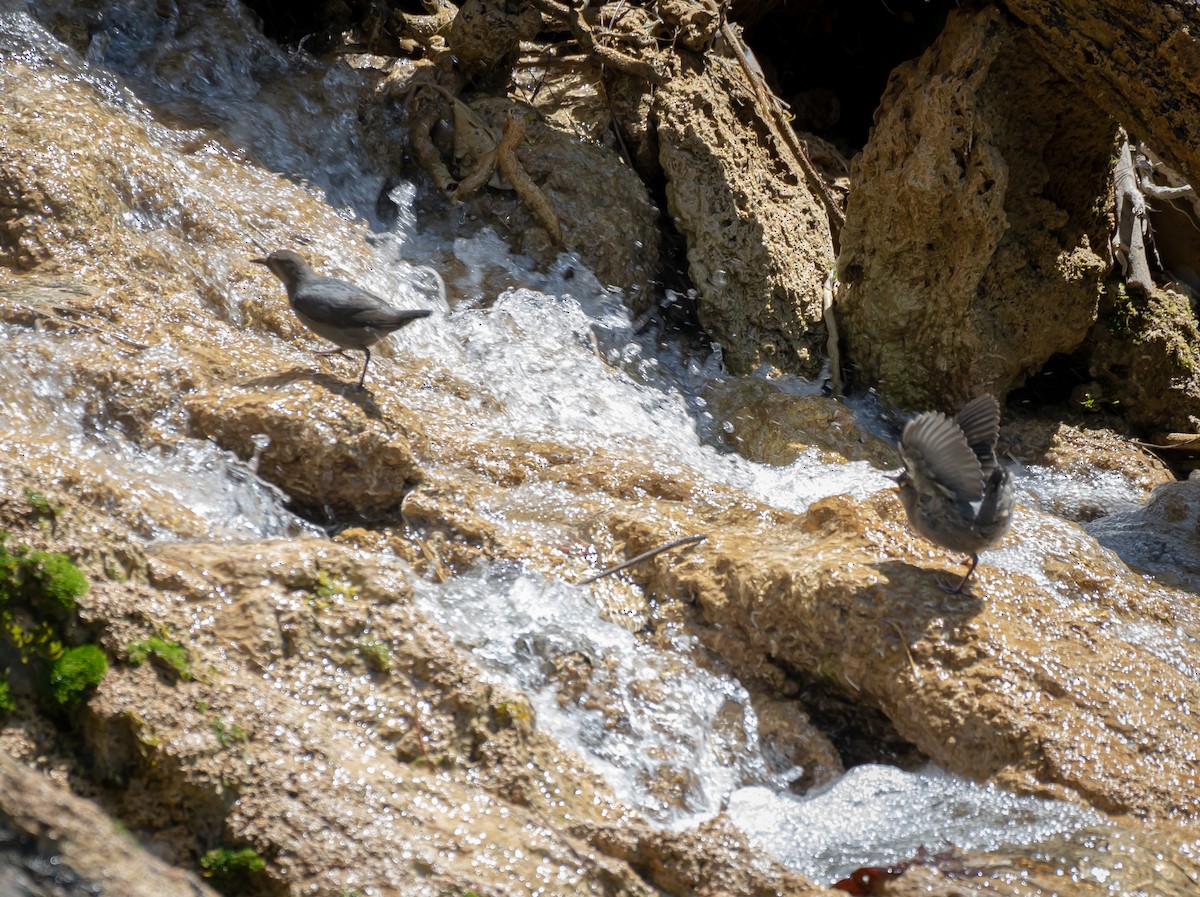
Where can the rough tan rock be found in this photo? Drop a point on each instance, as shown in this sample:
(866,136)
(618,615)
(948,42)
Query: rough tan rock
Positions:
(758,241)
(975,240)
(1138,62)
(952,871)
(333,728)
(1082,451)
(771,426)
(68,836)
(673,863)
(1016,684)
(322,442)
(483,35)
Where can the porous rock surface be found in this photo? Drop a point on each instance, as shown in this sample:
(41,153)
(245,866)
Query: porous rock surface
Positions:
(758,242)
(328,446)
(975,239)
(326,722)
(56,844)
(1136,61)
(1018,683)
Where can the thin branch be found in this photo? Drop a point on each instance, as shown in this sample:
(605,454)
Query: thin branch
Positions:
(775,118)
(59,311)
(645,555)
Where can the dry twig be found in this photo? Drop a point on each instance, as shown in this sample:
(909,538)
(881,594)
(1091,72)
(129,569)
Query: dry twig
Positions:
(55,314)
(773,116)
(645,555)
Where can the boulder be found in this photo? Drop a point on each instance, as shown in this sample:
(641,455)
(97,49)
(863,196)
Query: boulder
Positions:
(975,240)
(758,240)
(323,443)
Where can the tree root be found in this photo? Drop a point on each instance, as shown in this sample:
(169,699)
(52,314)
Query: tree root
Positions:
(582,32)
(530,193)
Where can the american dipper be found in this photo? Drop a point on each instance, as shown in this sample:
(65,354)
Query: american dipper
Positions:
(339,311)
(955,491)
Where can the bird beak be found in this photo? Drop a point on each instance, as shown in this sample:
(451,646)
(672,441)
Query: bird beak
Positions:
(259,261)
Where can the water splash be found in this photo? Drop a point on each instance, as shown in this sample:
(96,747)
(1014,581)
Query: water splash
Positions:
(670,737)
(188,489)
(566,360)
(875,815)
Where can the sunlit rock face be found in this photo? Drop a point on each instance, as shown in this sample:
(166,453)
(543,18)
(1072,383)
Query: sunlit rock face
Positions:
(759,247)
(974,246)
(1052,679)
(323,448)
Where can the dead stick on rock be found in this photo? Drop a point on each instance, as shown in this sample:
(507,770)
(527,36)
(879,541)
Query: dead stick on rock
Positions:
(904,644)
(645,555)
(771,115)
(57,316)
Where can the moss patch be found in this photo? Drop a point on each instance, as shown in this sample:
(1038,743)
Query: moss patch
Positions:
(168,656)
(38,593)
(231,869)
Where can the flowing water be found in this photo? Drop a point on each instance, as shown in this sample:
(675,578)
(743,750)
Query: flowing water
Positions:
(569,364)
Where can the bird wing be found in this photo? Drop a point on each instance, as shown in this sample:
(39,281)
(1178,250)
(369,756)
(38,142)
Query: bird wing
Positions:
(337,303)
(980,423)
(937,456)
(387,317)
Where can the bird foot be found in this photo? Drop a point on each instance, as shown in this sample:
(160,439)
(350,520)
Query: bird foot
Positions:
(957,588)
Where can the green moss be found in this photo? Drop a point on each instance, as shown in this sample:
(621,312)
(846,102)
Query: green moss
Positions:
(77,670)
(327,589)
(169,656)
(228,734)
(38,594)
(40,506)
(7,705)
(376,653)
(231,869)
(60,580)
(39,576)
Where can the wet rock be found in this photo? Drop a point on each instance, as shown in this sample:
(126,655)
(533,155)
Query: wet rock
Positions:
(951,872)
(772,426)
(705,862)
(758,239)
(1161,536)
(1082,451)
(54,843)
(1027,684)
(321,442)
(791,740)
(1143,352)
(974,245)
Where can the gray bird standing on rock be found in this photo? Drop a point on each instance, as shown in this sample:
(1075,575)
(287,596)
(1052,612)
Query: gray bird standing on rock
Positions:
(956,492)
(339,311)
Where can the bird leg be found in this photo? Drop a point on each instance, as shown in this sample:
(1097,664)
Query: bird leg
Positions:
(957,590)
(366,361)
